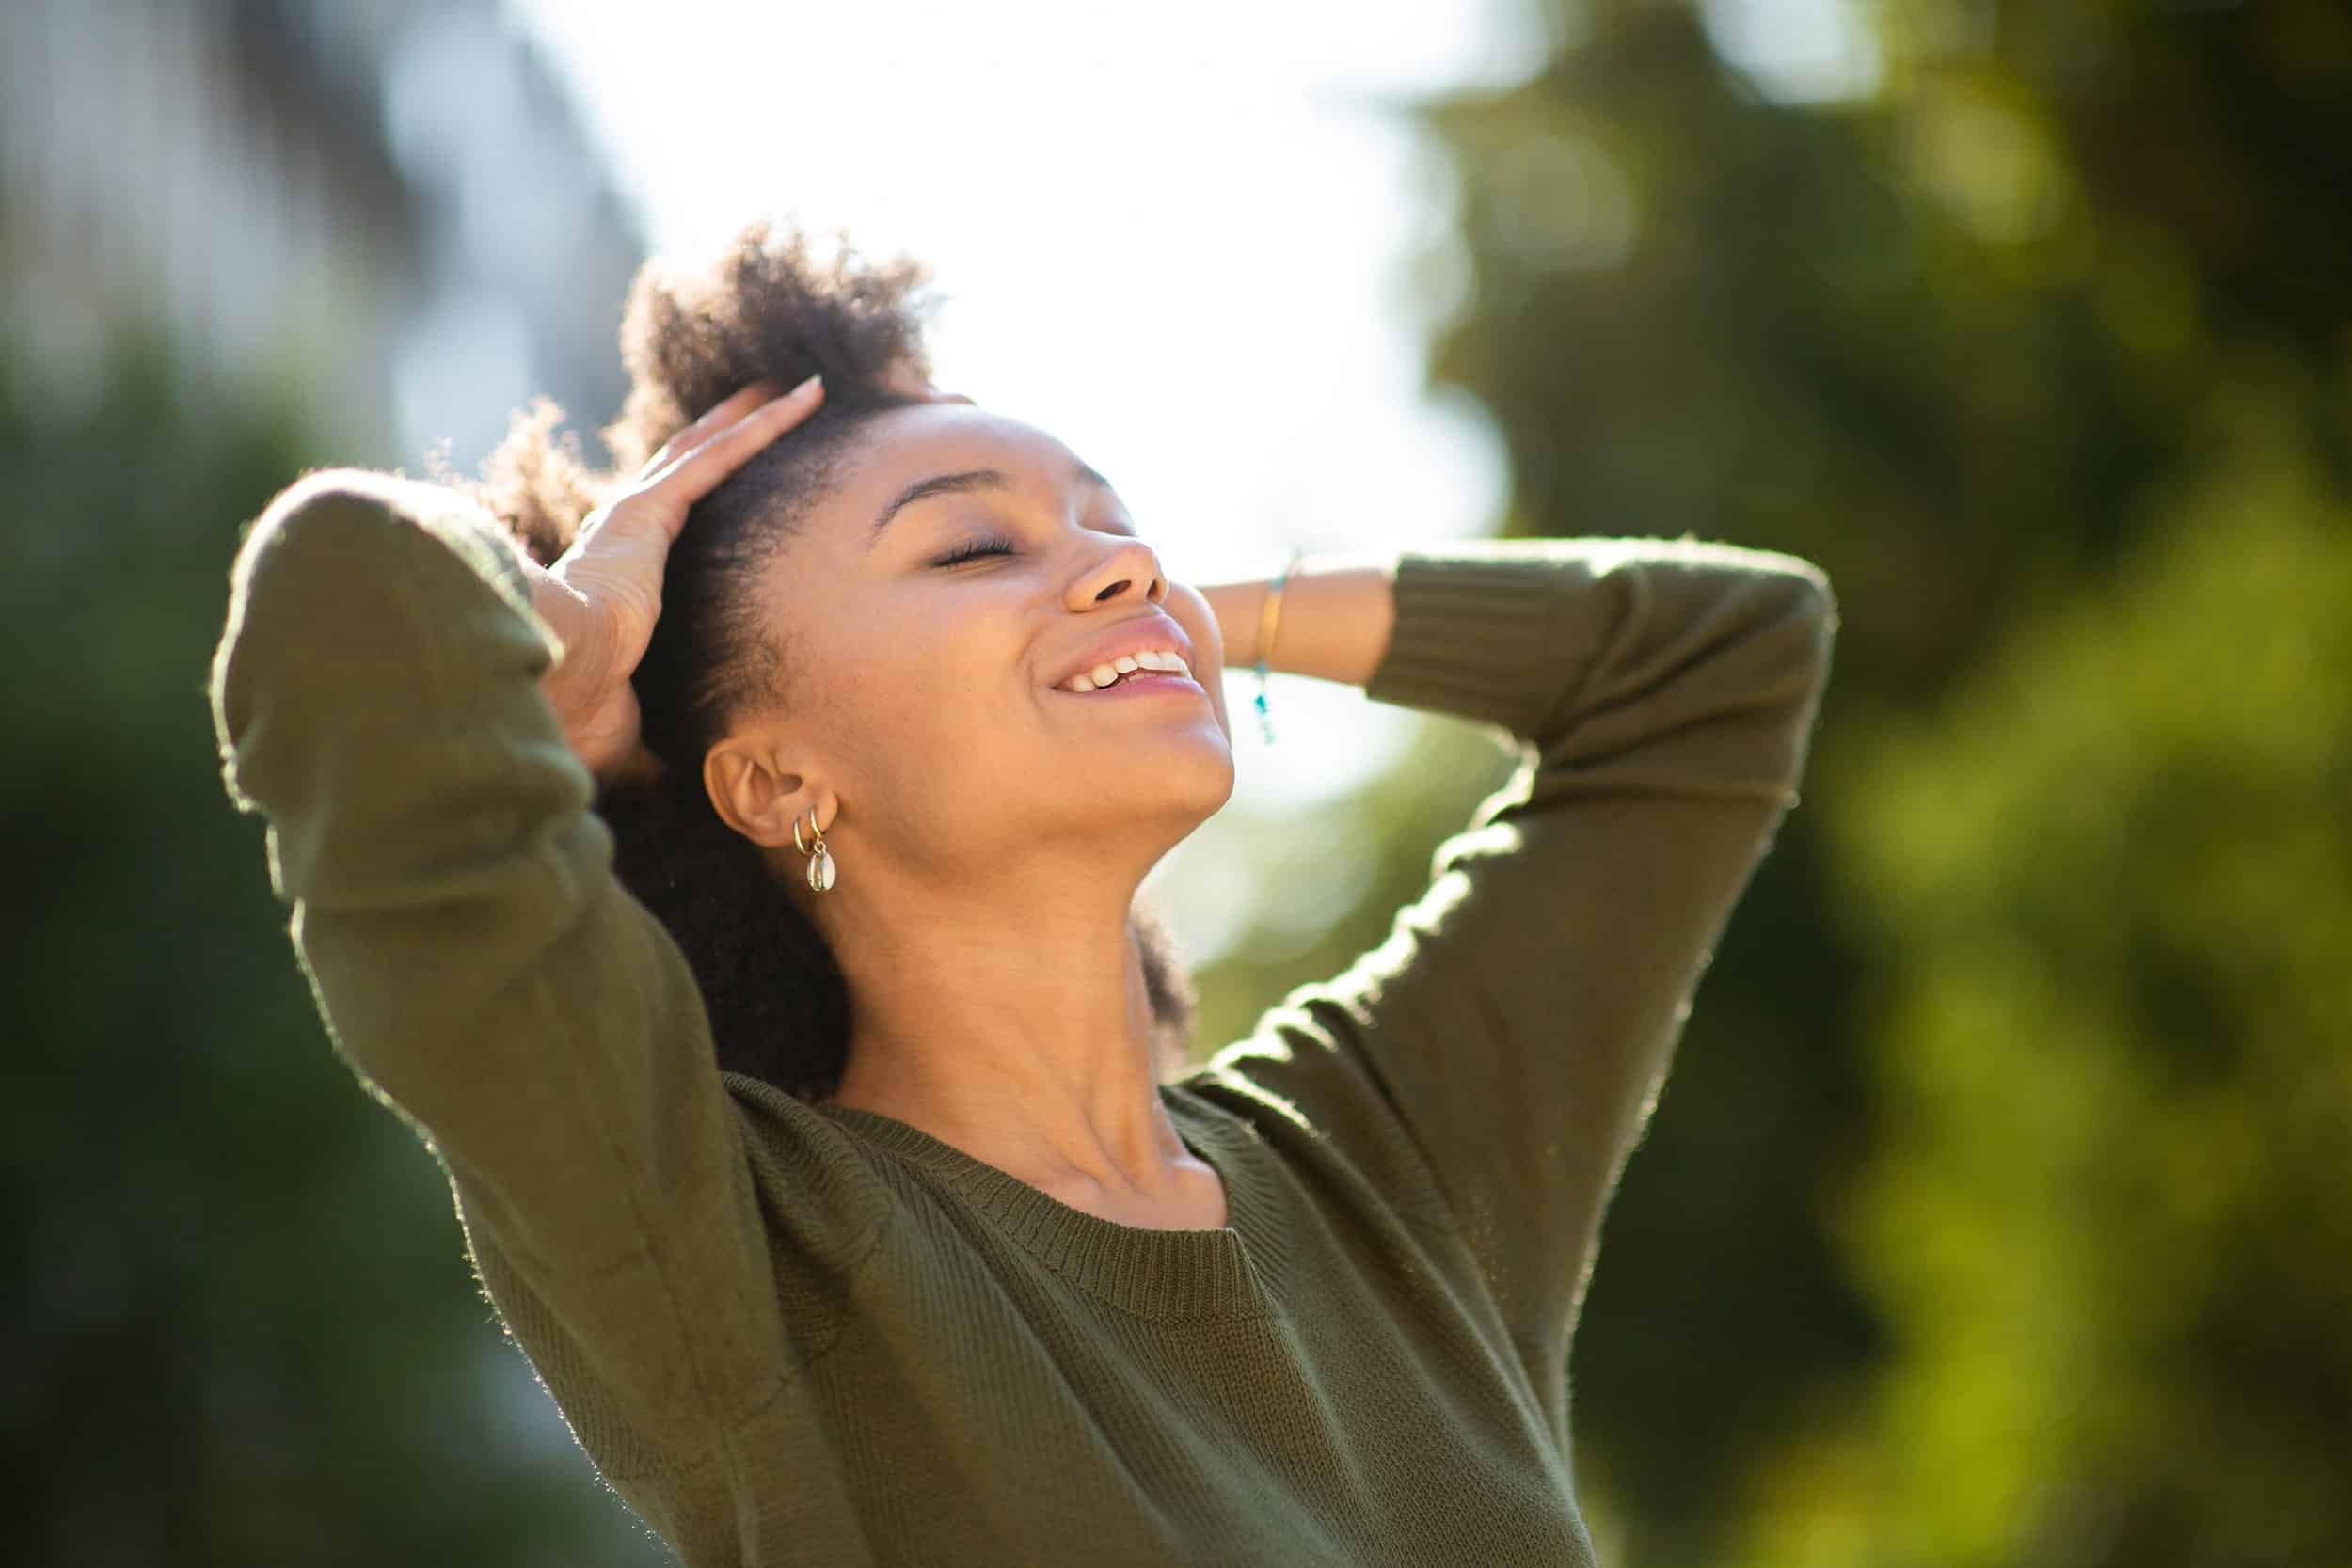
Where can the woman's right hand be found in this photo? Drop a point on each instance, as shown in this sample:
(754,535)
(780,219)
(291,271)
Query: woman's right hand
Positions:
(602,596)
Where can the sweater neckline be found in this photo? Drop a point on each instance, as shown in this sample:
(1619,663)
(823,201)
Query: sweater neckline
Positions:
(1155,1273)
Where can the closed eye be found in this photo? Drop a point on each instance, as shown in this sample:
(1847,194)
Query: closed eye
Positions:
(991,545)
(997,545)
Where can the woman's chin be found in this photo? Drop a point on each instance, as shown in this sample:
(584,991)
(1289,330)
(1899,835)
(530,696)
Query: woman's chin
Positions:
(1189,768)
(1156,746)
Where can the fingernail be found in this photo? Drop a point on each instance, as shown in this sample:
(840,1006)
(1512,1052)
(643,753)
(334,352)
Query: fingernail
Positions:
(809,386)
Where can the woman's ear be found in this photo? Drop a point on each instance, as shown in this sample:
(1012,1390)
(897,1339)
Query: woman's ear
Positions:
(756,796)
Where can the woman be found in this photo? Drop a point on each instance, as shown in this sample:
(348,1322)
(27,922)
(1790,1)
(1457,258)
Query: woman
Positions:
(736,886)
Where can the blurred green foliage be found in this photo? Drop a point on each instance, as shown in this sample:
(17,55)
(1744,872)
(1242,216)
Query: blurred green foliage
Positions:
(2108,1223)
(1995,1211)
(238,1315)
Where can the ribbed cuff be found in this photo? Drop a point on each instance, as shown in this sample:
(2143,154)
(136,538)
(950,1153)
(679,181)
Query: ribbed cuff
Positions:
(1483,632)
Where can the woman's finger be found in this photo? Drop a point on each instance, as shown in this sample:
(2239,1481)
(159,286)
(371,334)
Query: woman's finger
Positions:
(717,417)
(696,473)
(712,420)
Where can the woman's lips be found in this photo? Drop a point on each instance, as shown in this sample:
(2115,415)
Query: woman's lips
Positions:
(1139,683)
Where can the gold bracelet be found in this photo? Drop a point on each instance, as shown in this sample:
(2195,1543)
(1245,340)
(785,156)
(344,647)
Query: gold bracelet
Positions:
(1269,615)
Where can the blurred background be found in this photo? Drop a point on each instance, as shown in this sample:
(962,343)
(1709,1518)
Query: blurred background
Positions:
(2000,1208)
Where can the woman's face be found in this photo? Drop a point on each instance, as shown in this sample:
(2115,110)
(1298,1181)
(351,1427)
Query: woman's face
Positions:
(928,692)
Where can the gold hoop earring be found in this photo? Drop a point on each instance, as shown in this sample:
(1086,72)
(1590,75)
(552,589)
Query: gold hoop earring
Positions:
(820,866)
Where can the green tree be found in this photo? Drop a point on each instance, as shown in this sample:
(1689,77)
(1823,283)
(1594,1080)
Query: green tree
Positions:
(2111,890)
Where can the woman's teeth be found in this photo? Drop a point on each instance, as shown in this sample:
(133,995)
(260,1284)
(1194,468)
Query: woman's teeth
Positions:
(1104,674)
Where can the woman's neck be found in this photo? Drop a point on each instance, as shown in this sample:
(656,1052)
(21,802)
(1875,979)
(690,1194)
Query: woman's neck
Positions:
(1014,1023)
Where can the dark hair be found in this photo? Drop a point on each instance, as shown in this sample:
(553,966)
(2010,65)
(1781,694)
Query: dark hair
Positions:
(771,307)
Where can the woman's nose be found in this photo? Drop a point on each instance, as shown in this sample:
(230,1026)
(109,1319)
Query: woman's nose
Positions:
(1133,568)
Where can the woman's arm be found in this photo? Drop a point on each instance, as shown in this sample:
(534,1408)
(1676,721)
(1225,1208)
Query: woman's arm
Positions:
(1333,624)
(378,696)
(1501,1049)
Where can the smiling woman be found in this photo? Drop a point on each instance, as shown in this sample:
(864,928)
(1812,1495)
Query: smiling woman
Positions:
(751,602)
(853,1218)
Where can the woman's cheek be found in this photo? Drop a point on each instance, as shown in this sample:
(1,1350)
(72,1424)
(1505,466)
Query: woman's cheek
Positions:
(1193,614)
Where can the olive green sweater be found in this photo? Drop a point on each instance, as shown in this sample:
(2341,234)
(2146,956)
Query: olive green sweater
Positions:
(795,1334)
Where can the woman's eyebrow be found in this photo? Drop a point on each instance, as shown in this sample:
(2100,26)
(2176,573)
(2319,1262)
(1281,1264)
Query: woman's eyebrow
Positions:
(962,483)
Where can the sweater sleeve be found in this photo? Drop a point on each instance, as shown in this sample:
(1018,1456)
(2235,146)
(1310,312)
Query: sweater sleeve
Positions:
(1503,1047)
(375,695)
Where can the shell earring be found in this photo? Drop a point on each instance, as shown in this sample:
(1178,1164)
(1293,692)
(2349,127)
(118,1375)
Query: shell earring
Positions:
(820,869)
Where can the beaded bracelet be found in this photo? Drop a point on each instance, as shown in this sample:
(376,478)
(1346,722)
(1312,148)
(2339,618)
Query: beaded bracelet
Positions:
(1267,617)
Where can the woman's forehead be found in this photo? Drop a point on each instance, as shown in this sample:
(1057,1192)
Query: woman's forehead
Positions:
(949,436)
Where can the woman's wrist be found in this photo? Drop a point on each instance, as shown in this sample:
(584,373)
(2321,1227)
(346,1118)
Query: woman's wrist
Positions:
(570,683)
(557,607)
(1235,606)
(1334,621)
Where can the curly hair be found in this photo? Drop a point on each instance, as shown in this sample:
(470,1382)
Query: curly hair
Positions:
(771,308)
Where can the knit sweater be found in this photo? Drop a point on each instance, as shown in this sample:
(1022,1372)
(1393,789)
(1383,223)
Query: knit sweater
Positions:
(811,1333)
